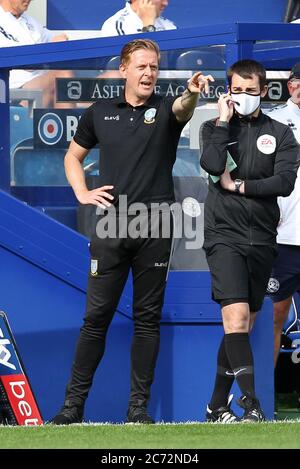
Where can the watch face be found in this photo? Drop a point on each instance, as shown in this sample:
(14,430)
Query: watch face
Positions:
(150,28)
(238,183)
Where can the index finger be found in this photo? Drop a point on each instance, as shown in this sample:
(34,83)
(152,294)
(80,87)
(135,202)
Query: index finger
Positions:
(104,188)
(208,77)
(206,81)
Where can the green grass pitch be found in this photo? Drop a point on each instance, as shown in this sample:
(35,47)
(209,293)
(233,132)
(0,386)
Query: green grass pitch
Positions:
(169,436)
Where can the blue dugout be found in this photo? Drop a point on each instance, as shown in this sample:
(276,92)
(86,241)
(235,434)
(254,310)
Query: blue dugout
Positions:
(44,263)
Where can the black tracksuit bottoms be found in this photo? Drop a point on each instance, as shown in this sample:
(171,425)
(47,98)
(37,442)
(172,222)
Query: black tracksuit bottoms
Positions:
(111,260)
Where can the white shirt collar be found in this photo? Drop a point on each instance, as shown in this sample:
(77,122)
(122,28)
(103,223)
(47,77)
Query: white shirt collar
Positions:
(131,12)
(293,107)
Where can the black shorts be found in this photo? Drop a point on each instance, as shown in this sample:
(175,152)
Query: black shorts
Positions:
(285,277)
(240,272)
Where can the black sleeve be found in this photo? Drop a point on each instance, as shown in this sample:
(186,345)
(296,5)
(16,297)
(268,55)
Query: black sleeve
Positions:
(213,145)
(85,134)
(285,170)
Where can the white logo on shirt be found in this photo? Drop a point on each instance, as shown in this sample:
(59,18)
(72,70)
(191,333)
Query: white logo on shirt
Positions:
(112,118)
(266,144)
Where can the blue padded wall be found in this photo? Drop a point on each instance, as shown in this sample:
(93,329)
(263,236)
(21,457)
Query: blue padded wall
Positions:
(43,276)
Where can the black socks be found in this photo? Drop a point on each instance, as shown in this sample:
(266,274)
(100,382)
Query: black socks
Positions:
(235,360)
(240,357)
(224,379)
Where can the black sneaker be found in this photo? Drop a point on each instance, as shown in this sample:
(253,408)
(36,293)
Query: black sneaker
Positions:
(222,414)
(68,414)
(253,412)
(139,415)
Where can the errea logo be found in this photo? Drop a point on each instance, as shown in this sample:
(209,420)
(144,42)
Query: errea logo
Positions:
(112,118)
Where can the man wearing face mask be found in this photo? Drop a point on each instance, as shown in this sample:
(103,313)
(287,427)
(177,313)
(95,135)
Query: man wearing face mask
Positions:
(252,159)
(285,279)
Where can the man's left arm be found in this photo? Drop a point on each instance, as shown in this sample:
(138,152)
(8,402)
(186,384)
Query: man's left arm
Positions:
(46,35)
(60,37)
(184,106)
(285,173)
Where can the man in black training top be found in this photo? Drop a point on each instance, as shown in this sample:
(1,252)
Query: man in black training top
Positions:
(138,135)
(252,159)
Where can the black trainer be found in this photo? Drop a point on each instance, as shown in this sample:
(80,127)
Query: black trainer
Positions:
(139,415)
(222,414)
(68,414)
(253,412)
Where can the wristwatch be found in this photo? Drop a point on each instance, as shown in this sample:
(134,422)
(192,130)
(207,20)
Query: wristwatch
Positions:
(237,185)
(149,29)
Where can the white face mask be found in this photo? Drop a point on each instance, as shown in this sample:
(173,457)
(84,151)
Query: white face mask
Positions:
(245,103)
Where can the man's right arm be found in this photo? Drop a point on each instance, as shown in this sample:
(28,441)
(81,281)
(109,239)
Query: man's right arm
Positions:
(214,139)
(76,177)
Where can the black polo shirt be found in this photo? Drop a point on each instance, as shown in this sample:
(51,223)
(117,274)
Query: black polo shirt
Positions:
(137,146)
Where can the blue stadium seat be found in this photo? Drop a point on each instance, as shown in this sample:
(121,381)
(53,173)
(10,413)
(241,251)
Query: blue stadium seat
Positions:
(200,59)
(113,63)
(44,167)
(21,125)
(187,160)
(37,167)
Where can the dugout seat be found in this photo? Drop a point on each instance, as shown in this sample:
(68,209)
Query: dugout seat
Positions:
(113,63)
(200,60)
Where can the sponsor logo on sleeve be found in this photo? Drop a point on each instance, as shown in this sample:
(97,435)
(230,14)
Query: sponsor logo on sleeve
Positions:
(266,144)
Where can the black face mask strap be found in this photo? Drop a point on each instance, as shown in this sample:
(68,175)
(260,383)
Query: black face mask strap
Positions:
(245,92)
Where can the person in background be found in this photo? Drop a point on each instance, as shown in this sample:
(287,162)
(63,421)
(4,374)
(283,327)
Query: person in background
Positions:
(252,159)
(285,279)
(17,28)
(136,17)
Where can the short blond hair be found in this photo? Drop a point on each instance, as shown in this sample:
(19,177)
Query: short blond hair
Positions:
(138,44)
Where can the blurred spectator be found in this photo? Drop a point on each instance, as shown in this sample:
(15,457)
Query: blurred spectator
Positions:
(285,280)
(136,17)
(292,11)
(17,28)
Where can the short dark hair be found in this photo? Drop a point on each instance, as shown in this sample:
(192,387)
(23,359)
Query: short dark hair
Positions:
(295,72)
(138,44)
(246,69)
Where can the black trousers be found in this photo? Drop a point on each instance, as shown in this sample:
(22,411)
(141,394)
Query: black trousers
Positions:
(111,260)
